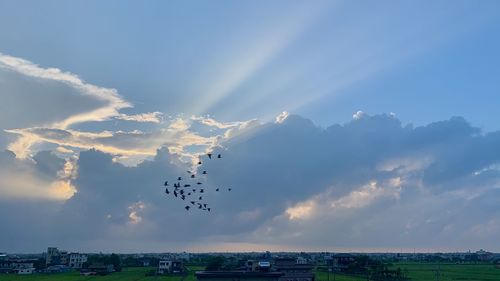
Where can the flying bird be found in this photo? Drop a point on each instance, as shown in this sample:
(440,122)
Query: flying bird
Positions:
(166,191)
(204,172)
(201,190)
(199,183)
(192,202)
(192,176)
(208,209)
(200,198)
(209,155)
(219,156)
(166,183)
(187,208)
(179,178)
(229,189)
(216,189)
(199,162)
(183,197)
(187,185)
(175,193)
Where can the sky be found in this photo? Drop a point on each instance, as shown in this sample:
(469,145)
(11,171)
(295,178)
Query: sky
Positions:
(343,125)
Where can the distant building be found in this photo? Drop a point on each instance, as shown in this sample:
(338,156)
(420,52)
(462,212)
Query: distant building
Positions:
(19,266)
(237,276)
(170,267)
(77,260)
(56,257)
(294,269)
(340,262)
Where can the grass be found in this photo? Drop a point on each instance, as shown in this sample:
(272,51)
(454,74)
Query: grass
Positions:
(127,274)
(451,272)
(416,271)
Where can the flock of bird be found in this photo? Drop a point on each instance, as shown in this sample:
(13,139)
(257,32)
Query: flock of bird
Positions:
(191,188)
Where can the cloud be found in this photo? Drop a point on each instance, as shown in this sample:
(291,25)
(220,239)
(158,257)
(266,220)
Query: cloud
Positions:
(73,102)
(151,117)
(295,186)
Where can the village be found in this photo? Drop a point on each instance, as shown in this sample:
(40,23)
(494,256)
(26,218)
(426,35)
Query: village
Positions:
(255,266)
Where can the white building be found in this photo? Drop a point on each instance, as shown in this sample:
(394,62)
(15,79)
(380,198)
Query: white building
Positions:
(76,260)
(24,271)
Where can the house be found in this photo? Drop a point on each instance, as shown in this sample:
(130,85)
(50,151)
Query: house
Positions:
(294,269)
(59,268)
(55,256)
(24,271)
(19,266)
(171,267)
(237,276)
(76,260)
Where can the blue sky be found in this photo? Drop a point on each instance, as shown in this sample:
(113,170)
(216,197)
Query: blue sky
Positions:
(103,85)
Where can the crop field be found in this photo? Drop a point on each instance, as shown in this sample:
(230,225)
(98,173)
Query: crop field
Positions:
(451,272)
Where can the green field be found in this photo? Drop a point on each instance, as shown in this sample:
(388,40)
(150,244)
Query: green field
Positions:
(427,272)
(451,272)
(416,271)
(127,274)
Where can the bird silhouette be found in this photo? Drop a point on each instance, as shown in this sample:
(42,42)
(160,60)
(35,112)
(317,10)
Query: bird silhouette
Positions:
(204,172)
(192,202)
(208,209)
(219,156)
(187,185)
(182,192)
(166,191)
(189,193)
(209,155)
(204,205)
(179,178)
(199,162)
(199,183)
(216,189)
(192,176)
(183,197)
(175,193)
(229,189)
(187,208)
(200,198)
(201,190)
(166,183)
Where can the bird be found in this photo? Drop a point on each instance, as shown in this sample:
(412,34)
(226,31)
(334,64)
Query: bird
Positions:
(187,185)
(199,162)
(201,190)
(189,172)
(200,198)
(179,178)
(194,189)
(182,192)
(208,209)
(189,193)
(183,197)
(175,193)
(199,206)
(219,156)
(229,189)
(209,155)
(166,183)
(192,202)
(199,183)
(166,191)
(187,208)
(216,189)
(204,172)
(204,205)
(192,176)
